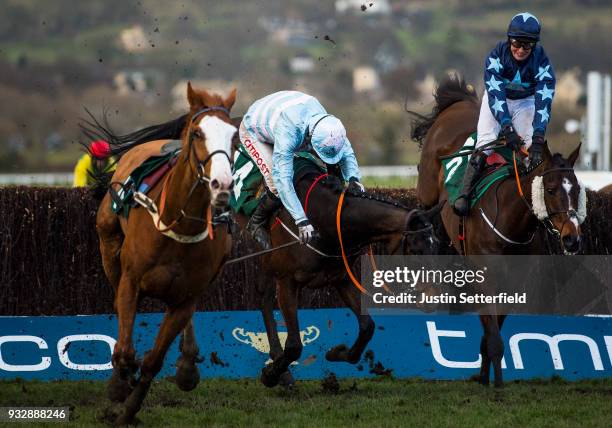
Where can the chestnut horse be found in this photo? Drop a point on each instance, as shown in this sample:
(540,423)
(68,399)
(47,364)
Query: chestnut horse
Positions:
(501,222)
(365,219)
(172,257)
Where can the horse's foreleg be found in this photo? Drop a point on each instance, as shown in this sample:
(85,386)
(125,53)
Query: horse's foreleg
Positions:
(350,295)
(267,311)
(187,373)
(288,301)
(174,321)
(124,354)
(494,351)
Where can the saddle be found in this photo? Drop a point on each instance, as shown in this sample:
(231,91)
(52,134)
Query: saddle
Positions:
(145,176)
(499,165)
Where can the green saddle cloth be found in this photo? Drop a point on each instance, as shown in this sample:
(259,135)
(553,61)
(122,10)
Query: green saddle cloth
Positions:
(454,170)
(248,179)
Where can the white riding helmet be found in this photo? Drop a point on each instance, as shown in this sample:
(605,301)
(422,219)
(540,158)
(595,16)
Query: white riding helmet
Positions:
(328,138)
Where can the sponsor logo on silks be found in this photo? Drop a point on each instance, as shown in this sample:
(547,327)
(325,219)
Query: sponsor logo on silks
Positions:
(260,342)
(256,156)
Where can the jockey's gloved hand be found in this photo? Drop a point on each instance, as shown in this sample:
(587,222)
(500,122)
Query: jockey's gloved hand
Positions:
(535,151)
(513,141)
(355,186)
(306,231)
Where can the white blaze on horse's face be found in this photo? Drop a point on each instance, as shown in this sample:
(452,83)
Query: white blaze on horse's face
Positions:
(219,137)
(567,185)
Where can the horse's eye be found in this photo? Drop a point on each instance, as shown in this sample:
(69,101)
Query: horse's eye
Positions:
(197,133)
(551,191)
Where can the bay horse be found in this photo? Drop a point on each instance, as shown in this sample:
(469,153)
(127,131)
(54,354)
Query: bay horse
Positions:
(365,219)
(173,258)
(501,222)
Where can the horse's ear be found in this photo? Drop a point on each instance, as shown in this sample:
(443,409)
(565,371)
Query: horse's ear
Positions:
(546,154)
(574,155)
(230,100)
(194,99)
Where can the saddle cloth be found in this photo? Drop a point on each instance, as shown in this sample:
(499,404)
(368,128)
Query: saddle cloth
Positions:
(499,166)
(248,181)
(144,177)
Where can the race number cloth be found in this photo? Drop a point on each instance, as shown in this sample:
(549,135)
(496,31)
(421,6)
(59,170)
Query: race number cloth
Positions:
(143,178)
(248,180)
(454,170)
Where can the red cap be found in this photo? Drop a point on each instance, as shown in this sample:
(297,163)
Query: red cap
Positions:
(100,149)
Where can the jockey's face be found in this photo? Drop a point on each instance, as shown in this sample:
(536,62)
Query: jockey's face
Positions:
(520,49)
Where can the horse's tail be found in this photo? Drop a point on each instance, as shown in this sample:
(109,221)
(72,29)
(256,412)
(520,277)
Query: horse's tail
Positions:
(451,90)
(95,129)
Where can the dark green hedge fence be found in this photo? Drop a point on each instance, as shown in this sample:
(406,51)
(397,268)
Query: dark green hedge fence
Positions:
(50,262)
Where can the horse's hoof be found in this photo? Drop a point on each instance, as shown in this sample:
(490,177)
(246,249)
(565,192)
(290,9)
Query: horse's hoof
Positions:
(498,383)
(119,389)
(484,381)
(187,376)
(269,377)
(286,380)
(337,353)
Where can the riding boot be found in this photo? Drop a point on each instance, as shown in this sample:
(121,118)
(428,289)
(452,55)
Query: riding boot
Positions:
(258,224)
(472,174)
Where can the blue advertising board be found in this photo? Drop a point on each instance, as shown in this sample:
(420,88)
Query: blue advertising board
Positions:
(234,345)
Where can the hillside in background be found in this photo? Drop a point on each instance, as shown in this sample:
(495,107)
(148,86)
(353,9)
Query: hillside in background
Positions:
(133,58)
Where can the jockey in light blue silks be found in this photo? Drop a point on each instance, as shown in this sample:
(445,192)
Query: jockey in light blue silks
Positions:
(273,129)
(520,84)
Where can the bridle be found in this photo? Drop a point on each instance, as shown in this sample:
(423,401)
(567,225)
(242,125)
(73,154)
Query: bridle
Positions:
(546,221)
(200,172)
(201,179)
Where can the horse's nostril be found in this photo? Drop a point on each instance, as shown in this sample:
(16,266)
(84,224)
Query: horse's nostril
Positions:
(571,243)
(214,184)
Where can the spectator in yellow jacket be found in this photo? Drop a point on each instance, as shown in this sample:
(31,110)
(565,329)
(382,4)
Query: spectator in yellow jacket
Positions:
(98,159)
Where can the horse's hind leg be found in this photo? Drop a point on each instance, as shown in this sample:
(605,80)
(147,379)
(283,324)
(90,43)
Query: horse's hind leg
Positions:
(492,349)
(124,354)
(350,296)
(187,373)
(175,320)
(288,292)
(111,240)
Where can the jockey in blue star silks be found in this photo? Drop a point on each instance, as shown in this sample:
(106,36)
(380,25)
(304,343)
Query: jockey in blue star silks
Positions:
(273,129)
(520,84)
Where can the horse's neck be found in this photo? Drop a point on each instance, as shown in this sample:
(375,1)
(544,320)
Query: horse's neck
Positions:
(519,206)
(371,221)
(179,185)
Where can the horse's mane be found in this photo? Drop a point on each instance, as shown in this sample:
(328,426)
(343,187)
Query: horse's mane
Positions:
(451,90)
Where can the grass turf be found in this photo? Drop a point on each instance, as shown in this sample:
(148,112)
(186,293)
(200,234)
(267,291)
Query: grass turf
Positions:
(372,402)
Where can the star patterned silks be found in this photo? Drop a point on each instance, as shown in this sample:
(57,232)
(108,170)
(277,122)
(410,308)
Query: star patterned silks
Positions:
(493,85)
(494,63)
(543,115)
(497,105)
(546,93)
(543,72)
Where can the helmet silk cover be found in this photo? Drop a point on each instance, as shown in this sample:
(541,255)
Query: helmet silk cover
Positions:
(329,139)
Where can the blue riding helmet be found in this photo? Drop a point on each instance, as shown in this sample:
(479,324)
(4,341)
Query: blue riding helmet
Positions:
(328,138)
(524,26)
